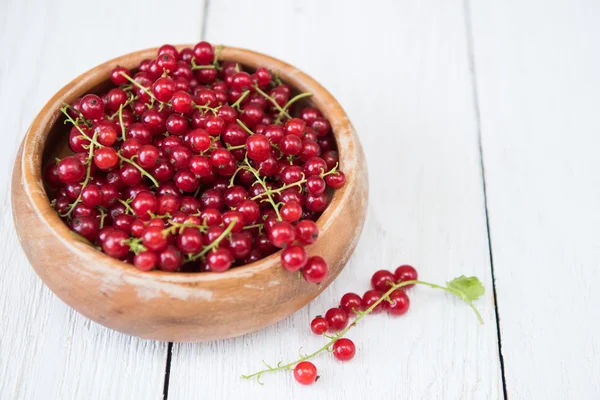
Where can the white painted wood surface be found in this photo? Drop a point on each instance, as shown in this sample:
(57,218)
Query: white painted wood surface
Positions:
(406,86)
(47,351)
(537,69)
(402,70)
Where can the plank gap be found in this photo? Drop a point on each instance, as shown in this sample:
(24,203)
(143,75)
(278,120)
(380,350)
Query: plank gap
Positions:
(475,92)
(167,371)
(204,20)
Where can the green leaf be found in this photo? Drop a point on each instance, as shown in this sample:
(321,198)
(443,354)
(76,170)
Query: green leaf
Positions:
(470,288)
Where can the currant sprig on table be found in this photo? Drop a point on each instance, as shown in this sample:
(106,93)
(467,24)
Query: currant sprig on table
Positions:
(190,163)
(388,293)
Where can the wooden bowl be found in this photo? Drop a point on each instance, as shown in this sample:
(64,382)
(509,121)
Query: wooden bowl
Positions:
(178,306)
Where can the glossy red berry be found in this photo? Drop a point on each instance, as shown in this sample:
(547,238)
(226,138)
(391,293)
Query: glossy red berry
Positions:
(319,325)
(351,302)
(106,158)
(70,170)
(316,270)
(369,298)
(398,303)
(293,258)
(114,244)
(307,232)
(282,234)
(305,373)
(92,107)
(258,147)
(336,180)
(405,273)
(337,319)
(203,53)
(344,349)
(219,260)
(145,261)
(382,280)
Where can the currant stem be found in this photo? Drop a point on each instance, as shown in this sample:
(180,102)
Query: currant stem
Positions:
(214,244)
(123,129)
(236,105)
(208,108)
(131,99)
(265,187)
(292,101)
(244,127)
(361,315)
(127,206)
(146,90)
(273,101)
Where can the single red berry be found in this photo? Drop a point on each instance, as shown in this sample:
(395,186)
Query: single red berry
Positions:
(316,270)
(336,180)
(295,126)
(240,245)
(91,196)
(163,89)
(337,319)
(291,211)
(305,373)
(307,231)
(319,325)
(147,156)
(291,145)
(405,273)
(282,234)
(143,204)
(258,147)
(219,260)
(344,349)
(154,239)
(86,226)
(317,203)
(315,185)
(70,170)
(351,302)
(398,303)
(145,261)
(293,258)
(203,53)
(190,241)
(114,244)
(92,107)
(181,102)
(321,126)
(116,75)
(382,280)
(106,158)
(369,298)
(170,259)
(234,217)
(309,114)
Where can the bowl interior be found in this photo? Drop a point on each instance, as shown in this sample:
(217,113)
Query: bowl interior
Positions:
(55,138)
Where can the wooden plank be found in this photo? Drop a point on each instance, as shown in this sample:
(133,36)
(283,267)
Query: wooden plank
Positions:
(401,70)
(539,91)
(46,349)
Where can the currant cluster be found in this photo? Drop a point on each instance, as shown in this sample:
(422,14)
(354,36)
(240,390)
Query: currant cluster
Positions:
(336,319)
(387,293)
(192,164)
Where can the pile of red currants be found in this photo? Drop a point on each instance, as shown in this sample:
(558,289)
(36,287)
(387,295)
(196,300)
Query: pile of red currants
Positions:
(191,164)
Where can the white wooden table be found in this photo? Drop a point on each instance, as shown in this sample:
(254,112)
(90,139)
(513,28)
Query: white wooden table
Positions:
(481,124)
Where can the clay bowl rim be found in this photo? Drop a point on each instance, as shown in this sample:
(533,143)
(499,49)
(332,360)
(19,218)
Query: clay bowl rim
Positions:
(36,137)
